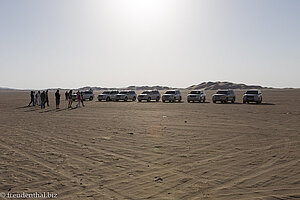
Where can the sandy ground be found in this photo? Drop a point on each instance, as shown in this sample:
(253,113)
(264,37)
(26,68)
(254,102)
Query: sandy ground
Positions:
(131,150)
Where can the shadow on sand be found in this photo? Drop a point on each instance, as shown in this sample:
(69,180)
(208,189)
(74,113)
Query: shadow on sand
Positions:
(173,102)
(148,101)
(199,102)
(37,108)
(23,107)
(262,104)
(31,110)
(229,103)
(58,110)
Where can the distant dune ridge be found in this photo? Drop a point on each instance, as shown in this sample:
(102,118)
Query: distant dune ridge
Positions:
(223,85)
(129,88)
(202,86)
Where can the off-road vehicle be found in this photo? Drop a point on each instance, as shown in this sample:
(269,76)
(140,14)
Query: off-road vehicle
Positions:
(252,96)
(149,95)
(196,95)
(224,96)
(172,96)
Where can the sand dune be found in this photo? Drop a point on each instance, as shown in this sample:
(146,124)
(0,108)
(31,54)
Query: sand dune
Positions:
(130,150)
(223,85)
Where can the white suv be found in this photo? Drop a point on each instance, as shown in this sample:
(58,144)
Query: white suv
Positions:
(172,96)
(252,96)
(108,95)
(224,96)
(87,95)
(196,95)
(149,95)
(126,95)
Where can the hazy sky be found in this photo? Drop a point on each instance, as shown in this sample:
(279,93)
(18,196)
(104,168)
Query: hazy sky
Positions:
(117,43)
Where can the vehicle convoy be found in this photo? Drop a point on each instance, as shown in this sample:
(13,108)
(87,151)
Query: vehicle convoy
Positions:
(108,95)
(85,95)
(224,96)
(172,96)
(252,96)
(196,95)
(125,95)
(149,95)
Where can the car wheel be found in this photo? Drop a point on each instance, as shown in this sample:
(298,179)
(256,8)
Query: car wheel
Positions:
(163,101)
(140,100)
(107,99)
(149,99)
(204,100)
(126,98)
(134,98)
(180,98)
(91,98)
(188,101)
(244,102)
(226,100)
(157,99)
(214,102)
(233,100)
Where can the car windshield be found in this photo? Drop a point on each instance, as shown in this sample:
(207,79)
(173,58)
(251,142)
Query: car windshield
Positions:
(146,92)
(195,92)
(106,92)
(170,92)
(124,92)
(252,92)
(222,92)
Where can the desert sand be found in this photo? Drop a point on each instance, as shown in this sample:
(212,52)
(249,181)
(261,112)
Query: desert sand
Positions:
(131,150)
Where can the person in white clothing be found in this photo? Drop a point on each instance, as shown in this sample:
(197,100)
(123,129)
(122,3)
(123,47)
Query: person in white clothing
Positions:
(38,98)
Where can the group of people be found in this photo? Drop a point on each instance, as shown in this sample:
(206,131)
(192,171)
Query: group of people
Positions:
(41,98)
(69,97)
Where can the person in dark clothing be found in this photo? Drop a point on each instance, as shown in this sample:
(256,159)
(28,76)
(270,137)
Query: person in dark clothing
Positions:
(70,99)
(47,99)
(31,99)
(57,99)
(82,99)
(67,95)
(43,100)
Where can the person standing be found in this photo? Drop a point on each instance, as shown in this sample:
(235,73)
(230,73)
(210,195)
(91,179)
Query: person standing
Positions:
(47,98)
(78,99)
(67,95)
(57,99)
(81,93)
(38,98)
(70,99)
(35,99)
(43,100)
(31,98)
